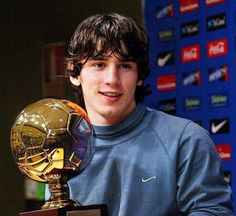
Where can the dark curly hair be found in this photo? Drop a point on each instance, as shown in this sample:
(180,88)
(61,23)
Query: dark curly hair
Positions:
(116,34)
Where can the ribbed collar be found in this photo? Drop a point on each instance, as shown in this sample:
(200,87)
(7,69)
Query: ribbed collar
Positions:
(114,134)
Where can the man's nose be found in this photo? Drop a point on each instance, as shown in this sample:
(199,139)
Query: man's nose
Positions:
(112,76)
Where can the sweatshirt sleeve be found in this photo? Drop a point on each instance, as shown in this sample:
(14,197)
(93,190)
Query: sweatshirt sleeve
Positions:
(201,188)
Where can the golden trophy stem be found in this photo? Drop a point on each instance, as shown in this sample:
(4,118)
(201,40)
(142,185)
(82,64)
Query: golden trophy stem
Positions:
(59,193)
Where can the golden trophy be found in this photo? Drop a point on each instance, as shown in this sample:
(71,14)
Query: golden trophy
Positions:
(51,141)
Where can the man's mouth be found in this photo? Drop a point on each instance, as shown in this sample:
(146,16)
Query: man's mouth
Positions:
(111,94)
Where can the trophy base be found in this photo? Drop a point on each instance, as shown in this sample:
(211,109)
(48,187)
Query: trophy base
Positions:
(91,210)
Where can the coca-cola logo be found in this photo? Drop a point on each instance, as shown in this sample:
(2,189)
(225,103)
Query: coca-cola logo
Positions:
(217,48)
(224,151)
(190,53)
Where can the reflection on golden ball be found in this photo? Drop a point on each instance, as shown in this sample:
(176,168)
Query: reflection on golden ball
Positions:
(51,136)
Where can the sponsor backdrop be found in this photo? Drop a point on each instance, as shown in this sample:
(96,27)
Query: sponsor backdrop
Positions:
(193,67)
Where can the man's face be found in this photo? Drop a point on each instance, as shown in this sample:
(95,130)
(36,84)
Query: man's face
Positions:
(108,85)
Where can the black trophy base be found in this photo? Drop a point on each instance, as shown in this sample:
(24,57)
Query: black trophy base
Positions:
(91,210)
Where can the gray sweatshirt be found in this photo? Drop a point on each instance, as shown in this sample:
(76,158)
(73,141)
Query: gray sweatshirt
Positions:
(154,164)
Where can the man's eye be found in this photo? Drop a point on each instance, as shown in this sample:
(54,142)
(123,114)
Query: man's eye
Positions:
(125,66)
(99,65)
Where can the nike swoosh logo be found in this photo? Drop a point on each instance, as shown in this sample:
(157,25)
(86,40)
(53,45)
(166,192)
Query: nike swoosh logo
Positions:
(216,128)
(148,179)
(162,61)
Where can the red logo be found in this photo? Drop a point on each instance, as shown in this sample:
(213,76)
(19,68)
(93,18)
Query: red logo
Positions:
(187,6)
(213,2)
(166,82)
(217,48)
(190,53)
(224,151)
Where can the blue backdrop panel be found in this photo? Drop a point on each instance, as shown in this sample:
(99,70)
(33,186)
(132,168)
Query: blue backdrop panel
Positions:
(193,67)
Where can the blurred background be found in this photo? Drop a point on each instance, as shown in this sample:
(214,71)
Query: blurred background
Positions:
(29,30)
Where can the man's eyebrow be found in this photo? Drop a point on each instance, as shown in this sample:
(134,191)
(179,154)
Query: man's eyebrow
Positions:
(97,58)
(127,60)
(103,57)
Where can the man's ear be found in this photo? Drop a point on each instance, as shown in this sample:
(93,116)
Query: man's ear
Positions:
(139,82)
(75,80)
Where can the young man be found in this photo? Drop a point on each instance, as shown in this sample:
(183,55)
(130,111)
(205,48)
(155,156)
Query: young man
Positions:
(146,163)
